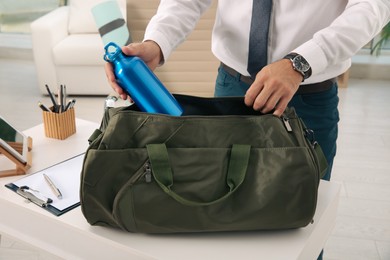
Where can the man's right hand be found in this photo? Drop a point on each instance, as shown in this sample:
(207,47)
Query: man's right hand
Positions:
(148,51)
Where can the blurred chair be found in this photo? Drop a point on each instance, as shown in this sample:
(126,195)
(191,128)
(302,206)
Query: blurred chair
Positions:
(68,49)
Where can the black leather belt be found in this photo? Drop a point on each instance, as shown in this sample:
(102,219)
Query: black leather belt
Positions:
(303,89)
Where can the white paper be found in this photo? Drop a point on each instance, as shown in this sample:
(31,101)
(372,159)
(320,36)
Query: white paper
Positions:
(65,176)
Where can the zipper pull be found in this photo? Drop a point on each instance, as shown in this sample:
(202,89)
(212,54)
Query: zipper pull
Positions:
(148,173)
(286,122)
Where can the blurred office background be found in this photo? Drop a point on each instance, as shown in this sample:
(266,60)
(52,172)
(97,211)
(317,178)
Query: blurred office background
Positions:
(362,165)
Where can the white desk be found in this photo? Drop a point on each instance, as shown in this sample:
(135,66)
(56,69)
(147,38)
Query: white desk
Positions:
(71,237)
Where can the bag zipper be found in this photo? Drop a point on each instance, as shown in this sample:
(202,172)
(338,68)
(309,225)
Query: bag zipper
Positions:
(146,173)
(286,122)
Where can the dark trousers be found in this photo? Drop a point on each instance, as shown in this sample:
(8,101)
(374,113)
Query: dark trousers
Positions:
(318,110)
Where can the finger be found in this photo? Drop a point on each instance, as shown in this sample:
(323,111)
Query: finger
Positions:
(252,93)
(281,107)
(123,95)
(110,74)
(265,100)
(109,71)
(270,104)
(132,49)
(112,81)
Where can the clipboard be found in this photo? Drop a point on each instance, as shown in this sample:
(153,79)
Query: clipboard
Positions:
(66,176)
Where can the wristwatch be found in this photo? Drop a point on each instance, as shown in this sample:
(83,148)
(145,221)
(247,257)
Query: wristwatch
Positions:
(299,64)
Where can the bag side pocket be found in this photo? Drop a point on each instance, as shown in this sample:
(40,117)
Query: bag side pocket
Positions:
(104,174)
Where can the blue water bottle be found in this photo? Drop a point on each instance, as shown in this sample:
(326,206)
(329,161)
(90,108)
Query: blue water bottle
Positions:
(135,77)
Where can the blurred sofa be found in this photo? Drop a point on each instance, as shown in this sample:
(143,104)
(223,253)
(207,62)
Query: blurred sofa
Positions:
(68,49)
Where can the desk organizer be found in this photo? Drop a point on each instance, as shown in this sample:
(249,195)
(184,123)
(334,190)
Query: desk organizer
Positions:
(59,125)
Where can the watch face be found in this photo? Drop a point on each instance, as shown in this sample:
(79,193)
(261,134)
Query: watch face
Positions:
(301,64)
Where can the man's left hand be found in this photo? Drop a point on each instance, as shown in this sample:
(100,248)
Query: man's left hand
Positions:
(274,87)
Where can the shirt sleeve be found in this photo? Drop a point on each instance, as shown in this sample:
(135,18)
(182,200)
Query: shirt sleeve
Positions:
(361,21)
(173,22)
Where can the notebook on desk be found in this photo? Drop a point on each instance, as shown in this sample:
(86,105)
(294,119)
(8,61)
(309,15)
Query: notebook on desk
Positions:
(65,176)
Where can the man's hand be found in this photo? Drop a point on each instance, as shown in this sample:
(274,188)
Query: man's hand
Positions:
(148,51)
(273,87)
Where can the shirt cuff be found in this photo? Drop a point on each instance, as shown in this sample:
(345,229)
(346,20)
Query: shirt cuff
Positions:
(314,55)
(162,41)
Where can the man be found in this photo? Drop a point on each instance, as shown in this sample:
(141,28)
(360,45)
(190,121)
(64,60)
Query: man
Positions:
(308,44)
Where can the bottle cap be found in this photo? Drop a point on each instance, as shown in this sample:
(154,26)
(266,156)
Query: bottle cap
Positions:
(112,51)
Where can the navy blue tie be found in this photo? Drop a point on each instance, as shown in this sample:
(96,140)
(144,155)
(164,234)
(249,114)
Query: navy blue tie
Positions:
(258,39)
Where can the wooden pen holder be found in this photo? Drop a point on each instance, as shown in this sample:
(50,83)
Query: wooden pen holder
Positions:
(59,125)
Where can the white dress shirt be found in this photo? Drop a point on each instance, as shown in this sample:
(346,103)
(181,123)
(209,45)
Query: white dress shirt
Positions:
(327,33)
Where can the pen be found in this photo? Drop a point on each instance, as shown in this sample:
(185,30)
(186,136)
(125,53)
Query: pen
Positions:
(55,190)
(61,99)
(53,100)
(64,97)
(43,107)
(70,104)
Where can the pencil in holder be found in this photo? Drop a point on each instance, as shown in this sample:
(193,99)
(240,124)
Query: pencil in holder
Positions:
(59,125)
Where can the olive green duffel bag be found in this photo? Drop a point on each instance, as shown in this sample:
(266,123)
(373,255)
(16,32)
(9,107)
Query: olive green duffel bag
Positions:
(219,167)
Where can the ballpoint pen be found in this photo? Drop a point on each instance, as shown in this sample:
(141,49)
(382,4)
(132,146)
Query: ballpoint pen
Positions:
(70,104)
(64,97)
(55,190)
(61,99)
(43,107)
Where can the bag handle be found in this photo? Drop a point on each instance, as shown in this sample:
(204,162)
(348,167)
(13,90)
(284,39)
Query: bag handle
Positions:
(162,172)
